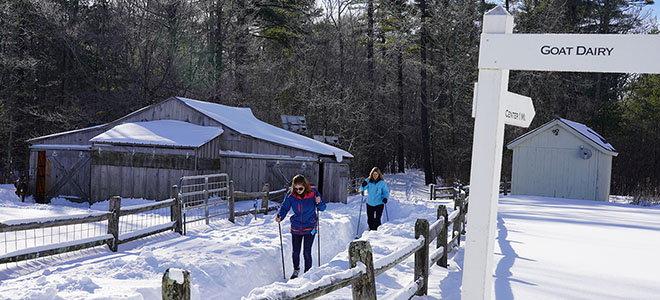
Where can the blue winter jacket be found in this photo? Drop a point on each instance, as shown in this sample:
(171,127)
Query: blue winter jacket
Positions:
(304,218)
(376,192)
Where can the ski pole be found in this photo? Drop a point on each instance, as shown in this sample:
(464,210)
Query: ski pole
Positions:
(282,251)
(359,216)
(318,225)
(387,214)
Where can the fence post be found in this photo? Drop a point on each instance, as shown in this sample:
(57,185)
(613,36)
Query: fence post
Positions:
(172,289)
(422,256)
(173,194)
(230,205)
(458,204)
(175,210)
(442,236)
(113,221)
(431,190)
(364,288)
(264,198)
(206,200)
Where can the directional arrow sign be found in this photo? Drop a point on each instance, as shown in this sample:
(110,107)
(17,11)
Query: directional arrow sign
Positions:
(518,110)
(616,53)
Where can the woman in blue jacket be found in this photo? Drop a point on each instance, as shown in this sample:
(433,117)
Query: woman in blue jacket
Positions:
(377,195)
(304,200)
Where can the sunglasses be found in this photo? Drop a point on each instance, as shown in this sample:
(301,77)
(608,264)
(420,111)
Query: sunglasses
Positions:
(300,189)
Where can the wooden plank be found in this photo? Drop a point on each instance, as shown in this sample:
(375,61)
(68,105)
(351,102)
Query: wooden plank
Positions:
(330,287)
(397,261)
(94,184)
(53,223)
(54,249)
(104,184)
(142,208)
(144,160)
(115,177)
(152,183)
(127,182)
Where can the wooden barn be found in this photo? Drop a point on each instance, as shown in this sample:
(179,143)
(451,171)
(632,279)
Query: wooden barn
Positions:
(143,154)
(562,159)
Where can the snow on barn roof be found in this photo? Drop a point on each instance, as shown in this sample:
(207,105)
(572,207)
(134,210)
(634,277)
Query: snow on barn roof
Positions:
(579,128)
(242,119)
(161,132)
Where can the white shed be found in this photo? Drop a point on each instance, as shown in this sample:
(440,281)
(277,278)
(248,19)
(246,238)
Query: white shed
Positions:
(562,159)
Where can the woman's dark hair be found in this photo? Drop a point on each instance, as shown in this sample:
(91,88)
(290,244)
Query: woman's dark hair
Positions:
(371,175)
(300,179)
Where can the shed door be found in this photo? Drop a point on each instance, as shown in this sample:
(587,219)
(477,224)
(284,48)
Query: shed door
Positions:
(69,174)
(335,182)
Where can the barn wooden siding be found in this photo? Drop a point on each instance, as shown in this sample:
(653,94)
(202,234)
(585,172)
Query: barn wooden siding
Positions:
(550,165)
(150,171)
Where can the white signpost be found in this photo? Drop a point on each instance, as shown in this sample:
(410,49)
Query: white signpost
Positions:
(494,106)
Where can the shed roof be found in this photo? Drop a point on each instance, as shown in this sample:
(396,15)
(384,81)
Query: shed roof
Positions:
(579,129)
(160,132)
(64,133)
(242,120)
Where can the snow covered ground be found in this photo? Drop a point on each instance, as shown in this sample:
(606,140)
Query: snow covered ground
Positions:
(546,249)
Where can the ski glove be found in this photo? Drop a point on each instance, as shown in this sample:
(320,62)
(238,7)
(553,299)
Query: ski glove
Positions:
(364,183)
(385,200)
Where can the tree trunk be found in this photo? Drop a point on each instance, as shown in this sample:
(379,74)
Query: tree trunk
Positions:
(426,151)
(400,147)
(241,48)
(219,37)
(172,20)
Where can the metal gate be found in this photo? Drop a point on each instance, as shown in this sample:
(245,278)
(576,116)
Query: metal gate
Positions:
(203,197)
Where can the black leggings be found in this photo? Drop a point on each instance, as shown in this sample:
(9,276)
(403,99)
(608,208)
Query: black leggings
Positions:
(307,251)
(373,216)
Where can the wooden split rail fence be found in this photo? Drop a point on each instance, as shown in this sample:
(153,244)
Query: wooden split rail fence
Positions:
(33,238)
(363,270)
(41,242)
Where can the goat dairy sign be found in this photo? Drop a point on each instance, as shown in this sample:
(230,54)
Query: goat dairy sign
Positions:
(570,52)
(579,50)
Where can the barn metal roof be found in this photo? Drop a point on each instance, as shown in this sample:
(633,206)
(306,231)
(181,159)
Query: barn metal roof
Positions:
(242,120)
(160,132)
(579,129)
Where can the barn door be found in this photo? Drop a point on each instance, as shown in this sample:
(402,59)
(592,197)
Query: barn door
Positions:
(70,174)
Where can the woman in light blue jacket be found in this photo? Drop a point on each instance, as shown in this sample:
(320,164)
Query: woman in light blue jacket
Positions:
(377,195)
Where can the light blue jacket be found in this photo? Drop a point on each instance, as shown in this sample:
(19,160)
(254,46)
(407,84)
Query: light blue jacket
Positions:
(376,192)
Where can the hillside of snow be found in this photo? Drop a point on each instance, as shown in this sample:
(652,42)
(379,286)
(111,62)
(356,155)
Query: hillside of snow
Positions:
(546,249)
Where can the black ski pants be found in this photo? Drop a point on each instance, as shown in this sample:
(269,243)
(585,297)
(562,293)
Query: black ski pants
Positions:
(307,251)
(373,216)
